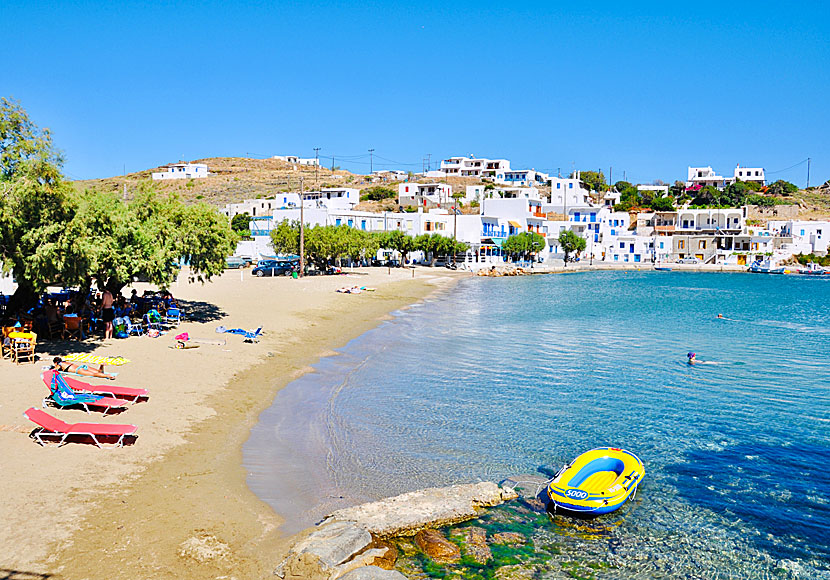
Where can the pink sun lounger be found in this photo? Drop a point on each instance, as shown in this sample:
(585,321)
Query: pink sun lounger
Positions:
(50,426)
(124,393)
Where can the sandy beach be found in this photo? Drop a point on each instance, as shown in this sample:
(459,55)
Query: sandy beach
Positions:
(175,504)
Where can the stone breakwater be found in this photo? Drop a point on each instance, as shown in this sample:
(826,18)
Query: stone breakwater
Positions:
(351,543)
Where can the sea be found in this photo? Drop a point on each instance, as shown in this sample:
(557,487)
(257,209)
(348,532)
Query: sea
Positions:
(508,376)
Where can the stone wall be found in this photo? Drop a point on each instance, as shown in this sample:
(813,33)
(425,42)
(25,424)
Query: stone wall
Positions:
(777,212)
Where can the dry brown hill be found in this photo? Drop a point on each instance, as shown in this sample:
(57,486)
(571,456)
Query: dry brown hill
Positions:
(234,179)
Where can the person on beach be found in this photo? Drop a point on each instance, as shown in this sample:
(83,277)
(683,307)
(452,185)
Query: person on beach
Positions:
(107,311)
(63,366)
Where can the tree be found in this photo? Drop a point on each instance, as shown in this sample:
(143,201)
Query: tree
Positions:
(524,244)
(570,243)
(678,190)
(399,241)
(593,180)
(735,194)
(24,148)
(622,185)
(662,204)
(707,195)
(429,244)
(240,223)
(782,187)
(378,193)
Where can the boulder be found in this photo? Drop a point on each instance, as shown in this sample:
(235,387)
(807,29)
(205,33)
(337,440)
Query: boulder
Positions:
(387,560)
(372,573)
(508,538)
(436,546)
(407,513)
(320,553)
(475,544)
(516,572)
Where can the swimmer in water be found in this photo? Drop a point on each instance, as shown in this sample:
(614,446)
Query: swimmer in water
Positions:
(720,315)
(692,358)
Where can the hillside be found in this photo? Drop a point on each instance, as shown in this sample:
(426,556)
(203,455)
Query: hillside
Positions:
(234,179)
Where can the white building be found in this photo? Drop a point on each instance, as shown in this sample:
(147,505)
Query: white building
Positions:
(312,161)
(331,197)
(424,195)
(809,237)
(663,190)
(567,192)
(523,177)
(182,171)
(474,167)
(703,176)
(390,175)
(750,174)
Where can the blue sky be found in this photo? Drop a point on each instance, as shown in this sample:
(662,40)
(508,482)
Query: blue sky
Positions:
(648,88)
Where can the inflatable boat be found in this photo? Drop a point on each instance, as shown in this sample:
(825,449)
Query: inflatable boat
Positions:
(595,483)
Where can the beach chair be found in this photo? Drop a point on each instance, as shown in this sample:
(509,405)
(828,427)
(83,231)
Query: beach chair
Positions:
(73,327)
(61,395)
(252,336)
(49,426)
(7,341)
(23,346)
(152,320)
(123,393)
(173,316)
(133,327)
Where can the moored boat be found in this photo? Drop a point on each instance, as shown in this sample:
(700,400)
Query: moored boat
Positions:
(597,482)
(814,269)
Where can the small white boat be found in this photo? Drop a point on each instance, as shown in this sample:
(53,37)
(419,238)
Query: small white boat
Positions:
(814,269)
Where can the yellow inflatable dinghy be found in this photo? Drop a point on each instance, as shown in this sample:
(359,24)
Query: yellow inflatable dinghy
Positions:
(597,482)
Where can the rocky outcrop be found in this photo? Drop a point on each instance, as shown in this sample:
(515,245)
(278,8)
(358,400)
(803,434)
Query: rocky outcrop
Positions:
(436,546)
(508,538)
(434,507)
(475,544)
(349,542)
(372,573)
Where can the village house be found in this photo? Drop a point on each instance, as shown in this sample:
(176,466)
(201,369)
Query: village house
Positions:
(182,171)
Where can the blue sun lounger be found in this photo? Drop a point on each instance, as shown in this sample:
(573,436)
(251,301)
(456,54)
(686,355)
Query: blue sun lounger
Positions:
(252,336)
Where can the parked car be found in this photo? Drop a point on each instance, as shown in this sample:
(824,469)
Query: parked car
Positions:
(689,260)
(275,268)
(234,262)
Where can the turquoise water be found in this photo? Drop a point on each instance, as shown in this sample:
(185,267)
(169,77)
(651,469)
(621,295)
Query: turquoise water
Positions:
(516,375)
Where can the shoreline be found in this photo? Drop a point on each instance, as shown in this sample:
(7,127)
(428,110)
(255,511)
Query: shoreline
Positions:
(187,512)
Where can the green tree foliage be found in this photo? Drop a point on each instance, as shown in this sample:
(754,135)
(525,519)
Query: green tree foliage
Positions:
(324,244)
(51,234)
(24,148)
(399,241)
(434,245)
(707,195)
(379,193)
(622,185)
(571,243)
(677,190)
(782,187)
(523,245)
(240,223)
(593,180)
(662,204)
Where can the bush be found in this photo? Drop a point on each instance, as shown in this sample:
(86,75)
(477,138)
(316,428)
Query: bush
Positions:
(378,194)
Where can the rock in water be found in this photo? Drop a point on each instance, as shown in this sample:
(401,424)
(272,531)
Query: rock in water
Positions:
(508,538)
(372,573)
(406,514)
(475,545)
(436,546)
(387,561)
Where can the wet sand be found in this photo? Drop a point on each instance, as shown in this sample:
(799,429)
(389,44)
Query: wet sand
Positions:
(175,503)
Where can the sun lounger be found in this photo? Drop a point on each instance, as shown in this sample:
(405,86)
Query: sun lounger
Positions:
(253,336)
(123,393)
(62,395)
(50,426)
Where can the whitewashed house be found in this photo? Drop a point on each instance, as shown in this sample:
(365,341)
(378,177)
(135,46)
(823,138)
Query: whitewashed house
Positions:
(567,192)
(523,177)
(473,167)
(424,195)
(308,161)
(808,237)
(182,171)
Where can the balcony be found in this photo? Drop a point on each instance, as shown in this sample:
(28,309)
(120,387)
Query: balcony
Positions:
(665,228)
(539,214)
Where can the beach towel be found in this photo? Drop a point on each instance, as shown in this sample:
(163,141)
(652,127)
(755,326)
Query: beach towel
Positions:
(251,335)
(96,359)
(64,396)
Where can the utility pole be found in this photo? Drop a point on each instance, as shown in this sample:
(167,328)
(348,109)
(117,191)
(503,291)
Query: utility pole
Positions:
(332,163)
(808,172)
(429,161)
(302,230)
(316,165)
(610,172)
(371,159)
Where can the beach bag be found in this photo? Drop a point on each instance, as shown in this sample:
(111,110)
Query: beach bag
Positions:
(153,333)
(119,325)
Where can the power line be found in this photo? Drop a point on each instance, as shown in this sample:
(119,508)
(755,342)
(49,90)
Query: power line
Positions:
(788,168)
